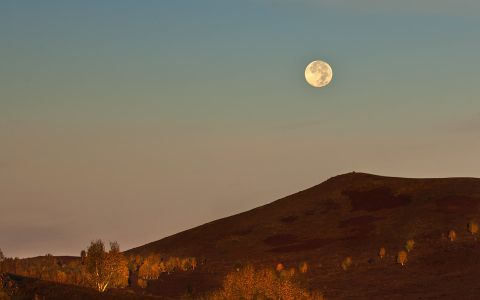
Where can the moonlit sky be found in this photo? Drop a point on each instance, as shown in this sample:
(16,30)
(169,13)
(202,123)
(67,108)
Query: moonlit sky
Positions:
(134,120)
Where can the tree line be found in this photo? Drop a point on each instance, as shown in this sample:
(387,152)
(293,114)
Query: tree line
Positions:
(97,267)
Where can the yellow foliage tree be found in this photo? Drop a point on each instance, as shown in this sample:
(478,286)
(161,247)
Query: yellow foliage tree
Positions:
(452,235)
(382,252)
(409,245)
(303,267)
(346,263)
(61,277)
(472,227)
(402,257)
(106,269)
(250,283)
(151,267)
(279,267)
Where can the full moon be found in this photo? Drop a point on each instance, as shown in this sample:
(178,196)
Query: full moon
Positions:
(318,73)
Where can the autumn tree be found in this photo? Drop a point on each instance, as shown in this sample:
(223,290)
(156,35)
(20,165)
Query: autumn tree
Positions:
(172,264)
(382,252)
(452,235)
(409,245)
(402,257)
(152,267)
(83,256)
(189,263)
(106,269)
(135,262)
(252,283)
(2,257)
(279,267)
(472,227)
(77,273)
(346,263)
(48,267)
(303,267)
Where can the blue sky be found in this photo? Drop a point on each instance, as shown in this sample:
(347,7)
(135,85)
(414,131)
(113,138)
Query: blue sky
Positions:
(127,110)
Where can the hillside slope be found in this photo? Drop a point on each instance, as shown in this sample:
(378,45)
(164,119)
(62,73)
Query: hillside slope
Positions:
(349,215)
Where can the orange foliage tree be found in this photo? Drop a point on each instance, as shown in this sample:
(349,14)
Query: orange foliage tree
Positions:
(402,257)
(249,283)
(106,269)
(151,267)
(472,227)
(382,252)
(452,235)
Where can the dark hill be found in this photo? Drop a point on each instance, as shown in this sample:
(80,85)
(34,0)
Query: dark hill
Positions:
(349,215)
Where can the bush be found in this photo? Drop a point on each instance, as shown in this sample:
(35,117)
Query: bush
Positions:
(452,235)
(409,245)
(382,252)
(250,283)
(346,263)
(402,257)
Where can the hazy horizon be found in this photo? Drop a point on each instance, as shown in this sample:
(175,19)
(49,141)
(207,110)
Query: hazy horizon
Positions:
(131,122)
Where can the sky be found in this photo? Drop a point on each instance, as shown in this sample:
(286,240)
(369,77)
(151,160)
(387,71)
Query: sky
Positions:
(134,120)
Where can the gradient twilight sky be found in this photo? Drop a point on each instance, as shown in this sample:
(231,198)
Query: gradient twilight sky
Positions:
(133,120)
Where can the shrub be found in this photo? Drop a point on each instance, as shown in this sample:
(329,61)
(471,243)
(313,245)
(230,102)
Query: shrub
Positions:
(402,257)
(382,252)
(409,245)
(472,227)
(250,283)
(452,235)
(346,263)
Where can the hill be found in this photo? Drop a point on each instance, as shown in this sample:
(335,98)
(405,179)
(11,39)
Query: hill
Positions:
(348,215)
